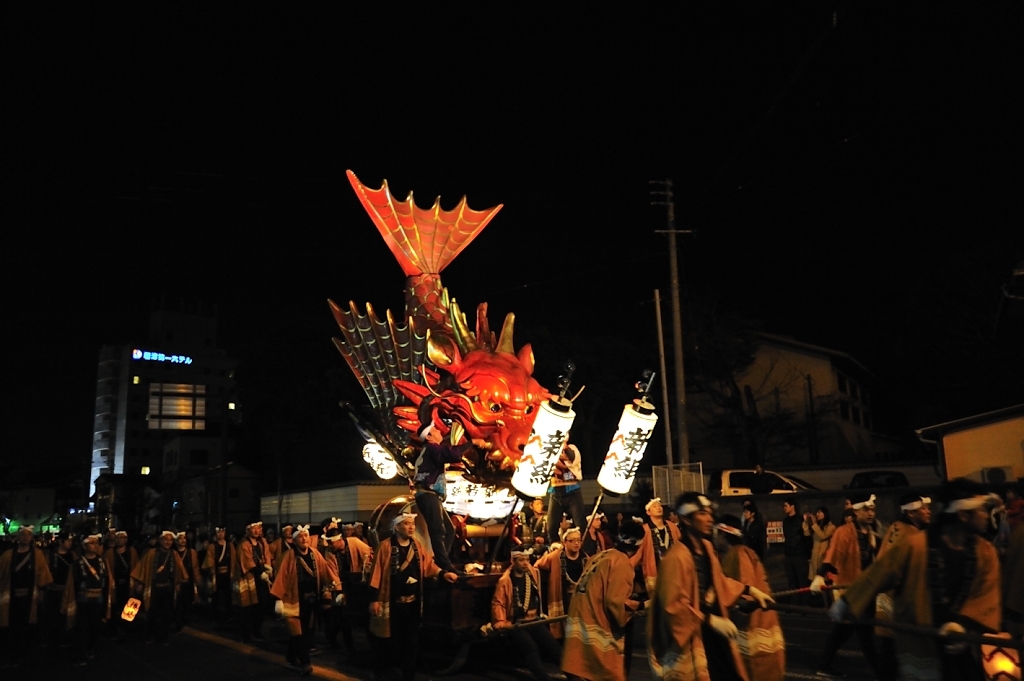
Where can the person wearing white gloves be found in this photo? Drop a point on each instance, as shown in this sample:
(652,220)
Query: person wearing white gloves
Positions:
(304,578)
(850,551)
(689,631)
(947,577)
(252,576)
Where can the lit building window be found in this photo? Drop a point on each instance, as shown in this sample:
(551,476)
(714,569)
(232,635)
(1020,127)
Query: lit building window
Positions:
(135,380)
(177,406)
(145,470)
(231,405)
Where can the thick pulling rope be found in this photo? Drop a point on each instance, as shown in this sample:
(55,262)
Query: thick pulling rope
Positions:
(805,590)
(488,630)
(914,629)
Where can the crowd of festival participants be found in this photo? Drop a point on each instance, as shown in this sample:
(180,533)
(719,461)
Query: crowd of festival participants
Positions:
(576,588)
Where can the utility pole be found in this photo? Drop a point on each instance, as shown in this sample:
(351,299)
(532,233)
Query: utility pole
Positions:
(664,383)
(677,323)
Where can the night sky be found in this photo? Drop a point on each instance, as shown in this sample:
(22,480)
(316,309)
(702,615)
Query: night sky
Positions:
(845,168)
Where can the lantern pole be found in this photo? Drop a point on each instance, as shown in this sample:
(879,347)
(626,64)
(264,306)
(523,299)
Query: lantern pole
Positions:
(593,514)
(501,537)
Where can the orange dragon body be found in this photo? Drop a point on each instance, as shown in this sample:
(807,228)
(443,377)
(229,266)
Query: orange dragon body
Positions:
(429,367)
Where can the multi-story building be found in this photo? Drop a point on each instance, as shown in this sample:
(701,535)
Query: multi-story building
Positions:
(175,383)
(794,404)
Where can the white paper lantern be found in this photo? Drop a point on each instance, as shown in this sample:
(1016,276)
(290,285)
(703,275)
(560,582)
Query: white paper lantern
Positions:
(627,448)
(380,461)
(550,431)
(483,502)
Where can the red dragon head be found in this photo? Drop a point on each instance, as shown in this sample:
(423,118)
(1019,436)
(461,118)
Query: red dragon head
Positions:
(486,388)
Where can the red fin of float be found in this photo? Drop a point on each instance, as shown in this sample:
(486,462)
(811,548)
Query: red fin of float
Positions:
(423,240)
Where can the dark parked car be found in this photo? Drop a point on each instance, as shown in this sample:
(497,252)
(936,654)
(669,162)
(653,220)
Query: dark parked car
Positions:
(872,479)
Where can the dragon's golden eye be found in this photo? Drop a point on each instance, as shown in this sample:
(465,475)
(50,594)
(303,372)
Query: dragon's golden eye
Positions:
(495,408)
(529,409)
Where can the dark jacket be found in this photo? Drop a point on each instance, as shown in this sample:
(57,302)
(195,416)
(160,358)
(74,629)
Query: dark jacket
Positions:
(793,531)
(755,536)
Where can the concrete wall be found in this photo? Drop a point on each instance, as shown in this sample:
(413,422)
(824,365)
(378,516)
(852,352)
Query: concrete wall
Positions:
(350,503)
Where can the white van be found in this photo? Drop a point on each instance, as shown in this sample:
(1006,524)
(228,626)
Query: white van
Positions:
(737,482)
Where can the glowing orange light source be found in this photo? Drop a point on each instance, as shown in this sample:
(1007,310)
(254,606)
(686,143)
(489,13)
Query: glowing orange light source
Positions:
(1000,664)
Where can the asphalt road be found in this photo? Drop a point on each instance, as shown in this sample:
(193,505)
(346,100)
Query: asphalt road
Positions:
(203,652)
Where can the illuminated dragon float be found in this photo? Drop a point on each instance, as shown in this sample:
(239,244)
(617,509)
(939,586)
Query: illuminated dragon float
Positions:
(476,386)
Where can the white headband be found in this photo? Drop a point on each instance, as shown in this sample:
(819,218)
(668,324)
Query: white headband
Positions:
(426,430)
(870,503)
(687,509)
(167,533)
(301,529)
(258,522)
(729,529)
(120,533)
(916,504)
(27,528)
(652,502)
(521,552)
(571,530)
(401,518)
(98,538)
(971,503)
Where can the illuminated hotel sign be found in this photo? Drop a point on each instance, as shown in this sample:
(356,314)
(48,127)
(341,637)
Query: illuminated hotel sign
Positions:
(160,357)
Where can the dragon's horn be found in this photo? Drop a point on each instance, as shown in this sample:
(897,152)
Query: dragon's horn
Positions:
(463,338)
(484,337)
(505,339)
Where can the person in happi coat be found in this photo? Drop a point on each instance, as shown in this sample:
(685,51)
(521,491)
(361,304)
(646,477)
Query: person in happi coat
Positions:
(400,566)
(850,552)
(759,634)
(121,560)
(689,633)
(188,587)
(518,599)
(350,558)
(946,577)
(56,618)
(93,586)
(281,545)
(220,556)
(562,567)
(251,575)
(155,579)
(304,579)
(24,576)
(659,535)
(916,516)
(594,646)
(595,538)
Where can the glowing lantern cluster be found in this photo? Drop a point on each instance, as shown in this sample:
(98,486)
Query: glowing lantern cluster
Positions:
(550,431)
(380,460)
(483,502)
(626,450)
